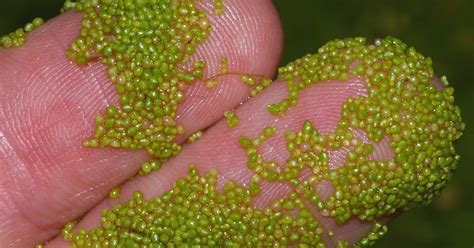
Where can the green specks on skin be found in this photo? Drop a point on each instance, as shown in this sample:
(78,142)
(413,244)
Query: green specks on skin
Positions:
(18,37)
(219,7)
(211,83)
(342,244)
(224,66)
(67,232)
(114,193)
(195,213)
(144,45)
(150,166)
(256,84)
(248,80)
(231,118)
(378,231)
(402,104)
(195,136)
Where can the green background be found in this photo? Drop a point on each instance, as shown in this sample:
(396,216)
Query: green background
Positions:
(442,29)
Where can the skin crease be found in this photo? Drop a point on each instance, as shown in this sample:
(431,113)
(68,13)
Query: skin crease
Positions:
(47,105)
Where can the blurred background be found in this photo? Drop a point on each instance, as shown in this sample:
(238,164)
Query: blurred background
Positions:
(441,29)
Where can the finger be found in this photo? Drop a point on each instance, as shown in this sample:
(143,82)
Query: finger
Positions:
(220,149)
(342,165)
(48,104)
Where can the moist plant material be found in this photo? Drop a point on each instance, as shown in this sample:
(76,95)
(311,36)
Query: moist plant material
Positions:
(18,37)
(146,46)
(401,103)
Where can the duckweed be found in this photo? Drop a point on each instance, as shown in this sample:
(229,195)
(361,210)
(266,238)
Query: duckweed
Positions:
(378,230)
(195,136)
(150,166)
(145,45)
(231,118)
(219,7)
(342,244)
(194,213)
(402,104)
(67,231)
(256,84)
(211,83)
(224,66)
(18,37)
(114,193)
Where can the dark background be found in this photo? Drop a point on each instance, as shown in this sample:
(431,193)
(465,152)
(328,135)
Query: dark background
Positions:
(441,29)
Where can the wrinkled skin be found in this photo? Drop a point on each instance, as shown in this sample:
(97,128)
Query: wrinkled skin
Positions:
(47,104)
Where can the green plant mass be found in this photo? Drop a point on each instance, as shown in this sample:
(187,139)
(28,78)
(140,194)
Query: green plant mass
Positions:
(142,43)
(18,37)
(145,45)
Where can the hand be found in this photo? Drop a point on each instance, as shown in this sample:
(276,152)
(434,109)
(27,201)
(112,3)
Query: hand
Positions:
(47,178)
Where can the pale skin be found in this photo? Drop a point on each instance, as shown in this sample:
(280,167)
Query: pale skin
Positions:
(47,106)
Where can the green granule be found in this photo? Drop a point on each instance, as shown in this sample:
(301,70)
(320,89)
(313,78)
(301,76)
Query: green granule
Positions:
(402,104)
(144,45)
(256,83)
(194,213)
(342,244)
(195,136)
(114,193)
(211,83)
(67,230)
(231,118)
(219,7)
(248,80)
(224,66)
(18,37)
(378,231)
(444,80)
(150,166)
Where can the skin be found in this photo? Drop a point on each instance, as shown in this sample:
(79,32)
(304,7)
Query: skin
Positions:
(47,103)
